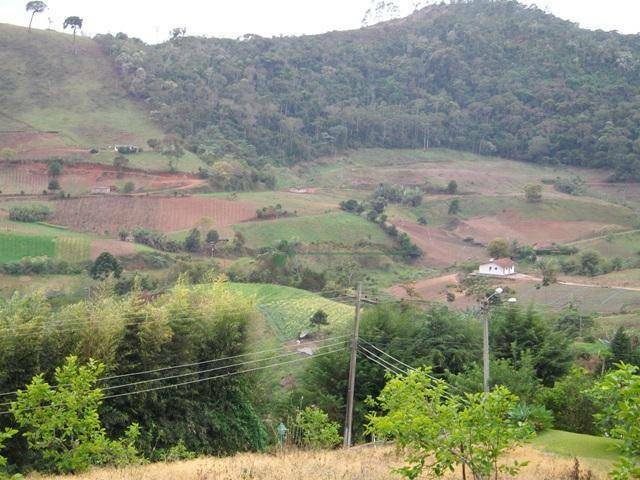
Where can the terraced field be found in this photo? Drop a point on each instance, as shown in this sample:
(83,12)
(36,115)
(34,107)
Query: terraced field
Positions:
(288,310)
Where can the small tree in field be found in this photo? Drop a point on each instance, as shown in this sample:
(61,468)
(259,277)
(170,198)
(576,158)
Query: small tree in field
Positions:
(34,7)
(54,167)
(212,236)
(454,207)
(319,318)
(439,431)
(192,243)
(549,270)
(128,187)
(499,248)
(533,193)
(120,162)
(62,424)
(452,187)
(318,431)
(106,264)
(53,184)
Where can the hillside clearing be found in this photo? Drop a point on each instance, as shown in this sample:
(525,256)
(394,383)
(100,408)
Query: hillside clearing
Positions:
(48,88)
(338,228)
(288,310)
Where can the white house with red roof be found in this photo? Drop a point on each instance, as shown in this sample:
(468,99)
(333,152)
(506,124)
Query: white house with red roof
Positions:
(501,267)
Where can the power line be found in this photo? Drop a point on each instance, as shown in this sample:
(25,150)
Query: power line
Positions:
(199,380)
(389,367)
(453,387)
(204,362)
(198,372)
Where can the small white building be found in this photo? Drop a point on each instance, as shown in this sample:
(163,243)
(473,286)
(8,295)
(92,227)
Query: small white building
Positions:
(100,189)
(500,267)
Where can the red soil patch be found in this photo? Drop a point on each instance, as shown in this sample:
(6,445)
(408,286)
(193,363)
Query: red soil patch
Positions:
(109,213)
(32,178)
(30,145)
(484,229)
(115,247)
(440,248)
(433,289)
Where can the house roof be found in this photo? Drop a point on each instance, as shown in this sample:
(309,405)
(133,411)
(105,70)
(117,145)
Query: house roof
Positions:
(504,262)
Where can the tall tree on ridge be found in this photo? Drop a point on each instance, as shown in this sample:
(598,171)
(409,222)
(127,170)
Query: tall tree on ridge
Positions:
(35,6)
(75,23)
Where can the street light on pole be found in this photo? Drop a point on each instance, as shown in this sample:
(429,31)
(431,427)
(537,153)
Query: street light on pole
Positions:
(485,339)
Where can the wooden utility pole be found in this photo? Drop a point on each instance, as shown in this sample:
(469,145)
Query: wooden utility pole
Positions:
(485,351)
(348,423)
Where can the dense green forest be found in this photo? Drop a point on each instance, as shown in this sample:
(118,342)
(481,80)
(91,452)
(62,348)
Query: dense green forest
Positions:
(135,334)
(493,77)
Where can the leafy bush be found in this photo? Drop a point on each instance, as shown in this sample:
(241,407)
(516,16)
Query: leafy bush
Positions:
(572,406)
(35,212)
(319,318)
(155,239)
(475,432)
(411,196)
(176,453)
(40,266)
(318,431)
(106,264)
(351,205)
(61,424)
(618,395)
(537,416)
(192,242)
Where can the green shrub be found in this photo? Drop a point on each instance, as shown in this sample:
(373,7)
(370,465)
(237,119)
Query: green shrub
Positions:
(537,416)
(106,264)
(62,426)
(318,431)
(34,212)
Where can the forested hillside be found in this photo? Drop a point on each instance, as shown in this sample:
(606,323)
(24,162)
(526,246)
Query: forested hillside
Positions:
(493,77)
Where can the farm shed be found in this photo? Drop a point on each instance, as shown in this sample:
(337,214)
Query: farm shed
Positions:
(500,267)
(100,189)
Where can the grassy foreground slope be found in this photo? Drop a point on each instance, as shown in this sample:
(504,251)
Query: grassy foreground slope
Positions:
(357,463)
(288,310)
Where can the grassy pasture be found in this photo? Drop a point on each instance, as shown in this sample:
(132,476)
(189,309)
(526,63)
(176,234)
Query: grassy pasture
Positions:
(368,167)
(594,449)
(606,325)
(339,228)
(622,245)
(14,247)
(553,209)
(288,310)
(153,161)
(588,299)
(46,87)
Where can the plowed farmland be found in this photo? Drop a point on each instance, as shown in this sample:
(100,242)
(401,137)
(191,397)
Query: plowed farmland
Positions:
(33,178)
(108,214)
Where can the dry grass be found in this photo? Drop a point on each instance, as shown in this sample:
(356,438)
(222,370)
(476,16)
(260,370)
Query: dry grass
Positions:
(355,464)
